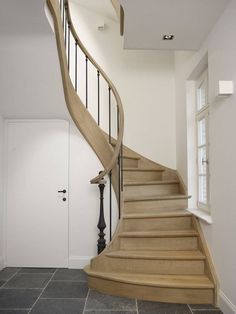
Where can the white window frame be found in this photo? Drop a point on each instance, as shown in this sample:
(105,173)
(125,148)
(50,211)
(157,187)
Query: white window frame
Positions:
(203,113)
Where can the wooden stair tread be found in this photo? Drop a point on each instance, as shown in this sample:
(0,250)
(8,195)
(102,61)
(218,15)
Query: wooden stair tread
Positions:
(143,169)
(169,281)
(159,234)
(159,214)
(130,157)
(136,183)
(159,255)
(156,197)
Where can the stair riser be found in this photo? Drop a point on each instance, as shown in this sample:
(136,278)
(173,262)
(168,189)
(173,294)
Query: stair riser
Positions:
(150,293)
(149,206)
(150,190)
(134,176)
(130,163)
(150,266)
(182,243)
(151,224)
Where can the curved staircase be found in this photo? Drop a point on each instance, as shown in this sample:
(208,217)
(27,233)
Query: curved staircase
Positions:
(158,251)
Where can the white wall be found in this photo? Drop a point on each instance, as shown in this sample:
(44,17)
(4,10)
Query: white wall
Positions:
(145,81)
(221,235)
(1,190)
(181,58)
(31,88)
(84,202)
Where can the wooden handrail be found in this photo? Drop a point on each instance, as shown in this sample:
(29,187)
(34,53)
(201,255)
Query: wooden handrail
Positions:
(108,166)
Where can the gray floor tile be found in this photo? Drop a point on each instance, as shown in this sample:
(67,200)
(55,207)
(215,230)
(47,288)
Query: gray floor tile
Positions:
(8,272)
(18,298)
(65,289)
(110,312)
(59,306)
(14,311)
(98,301)
(28,281)
(37,270)
(70,274)
(145,307)
(202,307)
(207,312)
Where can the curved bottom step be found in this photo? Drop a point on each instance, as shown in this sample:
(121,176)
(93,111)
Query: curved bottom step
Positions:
(164,288)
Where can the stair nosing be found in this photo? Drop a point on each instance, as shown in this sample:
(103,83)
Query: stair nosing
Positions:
(135,255)
(158,182)
(157,197)
(156,215)
(159,234)
(143,169)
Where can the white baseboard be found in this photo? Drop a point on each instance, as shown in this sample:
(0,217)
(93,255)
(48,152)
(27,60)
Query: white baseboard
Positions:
(226,305)
(1,263)
(79,262)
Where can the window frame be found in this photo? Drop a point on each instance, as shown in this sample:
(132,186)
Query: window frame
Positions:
(200,114)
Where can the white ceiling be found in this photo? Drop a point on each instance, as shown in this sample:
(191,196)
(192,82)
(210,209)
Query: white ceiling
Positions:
(146,21)
(22,17)
(103,7)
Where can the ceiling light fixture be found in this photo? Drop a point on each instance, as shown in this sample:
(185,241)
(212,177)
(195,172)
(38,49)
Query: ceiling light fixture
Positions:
(168,37)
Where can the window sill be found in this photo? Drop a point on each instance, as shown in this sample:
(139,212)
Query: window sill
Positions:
(206,217)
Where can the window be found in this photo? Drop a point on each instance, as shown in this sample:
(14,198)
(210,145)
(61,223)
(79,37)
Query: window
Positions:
(202,122)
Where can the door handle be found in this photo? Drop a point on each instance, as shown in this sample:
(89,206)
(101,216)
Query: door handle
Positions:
(62,191)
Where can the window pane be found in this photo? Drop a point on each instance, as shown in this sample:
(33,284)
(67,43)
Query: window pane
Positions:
(202,190)
(202,95)
(202,132)
(202,160)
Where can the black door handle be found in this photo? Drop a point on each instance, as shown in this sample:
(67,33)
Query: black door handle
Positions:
(63,191)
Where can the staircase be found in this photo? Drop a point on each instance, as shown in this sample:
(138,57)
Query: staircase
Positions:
(158,251)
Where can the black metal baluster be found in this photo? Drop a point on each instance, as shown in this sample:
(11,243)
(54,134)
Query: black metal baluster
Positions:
(98,74)
(63,14)
(76,64)
(65,29)
(69,47)
(110,200)
(121,166)
(118,161)
(109,91)
(86,80)
(101,244)
(119,192)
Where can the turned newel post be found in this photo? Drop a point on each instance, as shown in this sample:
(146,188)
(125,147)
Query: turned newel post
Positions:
(101,222)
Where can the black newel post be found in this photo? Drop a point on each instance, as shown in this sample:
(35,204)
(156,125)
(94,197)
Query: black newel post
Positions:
(101,222)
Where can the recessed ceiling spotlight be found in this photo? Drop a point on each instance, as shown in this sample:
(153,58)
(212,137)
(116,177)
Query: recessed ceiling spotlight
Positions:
(168,37)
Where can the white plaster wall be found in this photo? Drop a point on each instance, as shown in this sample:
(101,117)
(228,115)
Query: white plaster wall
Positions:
(31,88)
(221,234)
(181,58)
(1,190)
(145,81)
(84,202)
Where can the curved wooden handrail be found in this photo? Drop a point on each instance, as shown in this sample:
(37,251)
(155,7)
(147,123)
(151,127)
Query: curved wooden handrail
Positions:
(115,93)
(108,161)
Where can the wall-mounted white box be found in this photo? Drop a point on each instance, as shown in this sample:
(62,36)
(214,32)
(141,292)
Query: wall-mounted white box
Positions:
(226,88)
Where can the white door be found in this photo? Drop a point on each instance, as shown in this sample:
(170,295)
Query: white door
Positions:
(36,213)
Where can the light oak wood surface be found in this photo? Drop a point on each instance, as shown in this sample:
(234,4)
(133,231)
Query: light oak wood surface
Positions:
(158,251)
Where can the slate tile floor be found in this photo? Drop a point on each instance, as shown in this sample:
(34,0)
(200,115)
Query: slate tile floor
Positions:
(65,291)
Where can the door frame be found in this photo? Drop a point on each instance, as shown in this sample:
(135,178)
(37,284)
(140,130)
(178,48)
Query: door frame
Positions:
(5,163)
